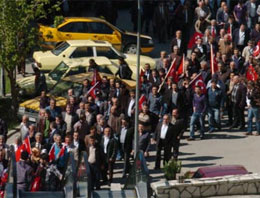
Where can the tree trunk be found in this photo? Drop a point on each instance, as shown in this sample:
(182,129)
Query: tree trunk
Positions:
(14,91)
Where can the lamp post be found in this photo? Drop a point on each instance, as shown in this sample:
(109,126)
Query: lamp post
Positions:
(136,146)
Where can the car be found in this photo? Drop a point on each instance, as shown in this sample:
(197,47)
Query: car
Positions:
(31,107)
(63,69)
(219,171)
(74,49)
(78,28)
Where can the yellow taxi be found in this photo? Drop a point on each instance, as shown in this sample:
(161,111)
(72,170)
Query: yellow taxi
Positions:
(79,28)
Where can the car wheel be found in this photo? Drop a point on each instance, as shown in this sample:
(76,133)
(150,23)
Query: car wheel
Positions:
(130,49)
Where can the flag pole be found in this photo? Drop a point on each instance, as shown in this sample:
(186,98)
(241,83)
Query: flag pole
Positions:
(166,75)
(211,60)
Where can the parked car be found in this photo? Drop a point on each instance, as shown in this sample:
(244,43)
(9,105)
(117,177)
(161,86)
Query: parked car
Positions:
(31,107)
(78,28)
(74,49)
(66,68)
(219,171)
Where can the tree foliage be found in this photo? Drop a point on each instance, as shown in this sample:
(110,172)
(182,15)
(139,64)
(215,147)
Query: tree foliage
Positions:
(19,33)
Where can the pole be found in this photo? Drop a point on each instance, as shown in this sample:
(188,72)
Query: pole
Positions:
(136,141)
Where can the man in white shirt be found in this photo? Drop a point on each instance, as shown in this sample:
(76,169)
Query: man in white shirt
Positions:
(131,105)
(163,137)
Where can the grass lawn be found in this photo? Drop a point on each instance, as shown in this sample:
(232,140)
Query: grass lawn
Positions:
(6,113)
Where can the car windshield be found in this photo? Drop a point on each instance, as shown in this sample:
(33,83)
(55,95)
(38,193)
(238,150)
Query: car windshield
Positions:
(61,88)
(108,52)
(60,48)
(59,71)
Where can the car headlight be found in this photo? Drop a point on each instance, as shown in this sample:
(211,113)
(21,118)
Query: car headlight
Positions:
(150,41)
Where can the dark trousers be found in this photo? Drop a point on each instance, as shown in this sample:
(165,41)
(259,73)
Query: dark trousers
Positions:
(239,117)
(95,176)
(167,153)
(108,169)
(175,147)
(126,163)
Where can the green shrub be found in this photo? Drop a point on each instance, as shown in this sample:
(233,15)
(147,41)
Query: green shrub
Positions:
(171,169)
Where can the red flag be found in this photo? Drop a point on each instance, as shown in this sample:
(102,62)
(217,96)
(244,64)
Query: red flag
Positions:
(251,74)
(52,153)
(257,50)
(27,145)
(213,62)
(36,184)
(92,90)
(198,81)
(18,152)
(180,70)
(96,78)
(62,151)
(172,69)
(194,38)
(142,99)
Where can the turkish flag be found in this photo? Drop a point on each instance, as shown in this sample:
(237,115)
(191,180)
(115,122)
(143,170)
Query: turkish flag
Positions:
(213,62)
(172,69)
(251,74)
(180,70)
(193,39)
(198,81)
(62,151)
(96,78)
(27,145)
(92,90)
(52,154)
(141,101)
(256,51)
(18,152)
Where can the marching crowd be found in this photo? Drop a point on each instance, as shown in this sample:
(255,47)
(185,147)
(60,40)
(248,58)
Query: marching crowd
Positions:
(219,77)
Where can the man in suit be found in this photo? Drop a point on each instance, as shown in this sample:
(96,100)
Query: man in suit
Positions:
(39,143)
(144,140)
(77,145)
(179,41)
(160,21)
(163,137)
(241,37)
(53,131)
(238,98)
(131,106)
(178,128)
(154,78)
(109,147)
(124,71)
(159,62)
(126,140)
(70,118)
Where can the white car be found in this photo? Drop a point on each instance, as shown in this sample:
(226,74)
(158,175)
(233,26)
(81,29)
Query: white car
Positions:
(73,49)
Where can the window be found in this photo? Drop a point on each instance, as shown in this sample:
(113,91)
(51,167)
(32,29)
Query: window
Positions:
(77,27)
(76,70)
(59,71)
(60,48)
(107,52)
(82,52)
(99,28)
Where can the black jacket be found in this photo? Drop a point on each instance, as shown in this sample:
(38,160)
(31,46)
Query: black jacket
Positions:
(124,72)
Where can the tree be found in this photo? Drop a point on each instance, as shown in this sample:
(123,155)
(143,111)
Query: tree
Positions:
(19,35)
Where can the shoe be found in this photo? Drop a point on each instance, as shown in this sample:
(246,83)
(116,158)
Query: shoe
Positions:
(242,128)
(211,130)
(190,139)
(202,137)
(256,134)
(248,133)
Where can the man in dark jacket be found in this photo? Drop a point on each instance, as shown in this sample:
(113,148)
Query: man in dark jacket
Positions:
(215,100)
(109,147)
(3,128)
(124,71)
(24,173)
(163,137)
(238,98)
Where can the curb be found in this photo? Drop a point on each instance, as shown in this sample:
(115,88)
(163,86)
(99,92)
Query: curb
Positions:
(12,132)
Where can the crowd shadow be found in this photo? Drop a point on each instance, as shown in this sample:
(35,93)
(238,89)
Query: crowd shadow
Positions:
(223,136)
(201,158)
(196,165)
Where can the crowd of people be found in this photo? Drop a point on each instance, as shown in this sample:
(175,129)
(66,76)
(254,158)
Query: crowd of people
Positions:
(219,77)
